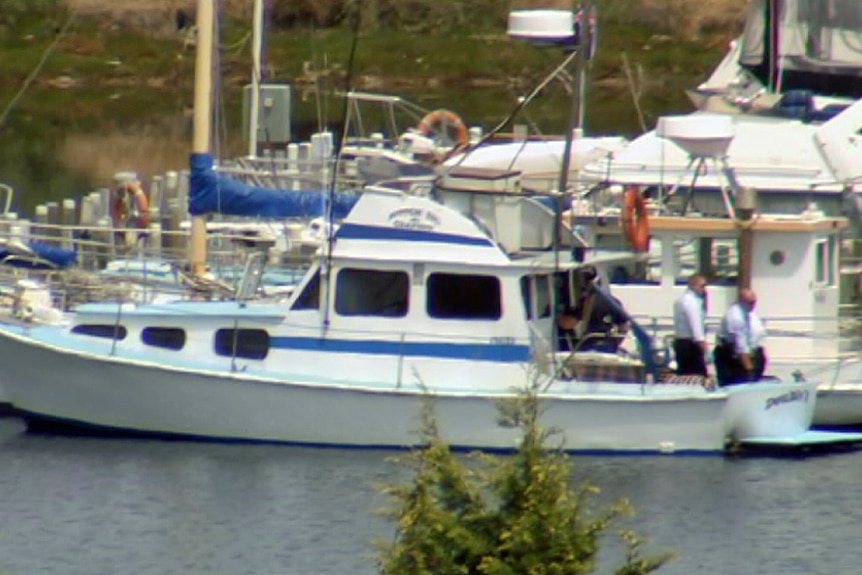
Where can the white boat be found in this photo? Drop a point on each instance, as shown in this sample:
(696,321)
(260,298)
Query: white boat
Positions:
(415,300)
(447,298)
(784,95)
(538,161)
(788,161)
(789,46)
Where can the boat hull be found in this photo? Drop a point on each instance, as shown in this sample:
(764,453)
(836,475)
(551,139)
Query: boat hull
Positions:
(51,384)
(839,406)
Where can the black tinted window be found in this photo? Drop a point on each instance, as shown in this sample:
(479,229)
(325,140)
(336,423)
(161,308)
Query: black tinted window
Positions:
(245,343)
(456,296)
(108,331)
(310,296)
(372,292)
(166,337)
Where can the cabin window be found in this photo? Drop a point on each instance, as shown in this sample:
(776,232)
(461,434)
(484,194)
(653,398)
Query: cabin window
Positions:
(457,296)
(310,296)
(527,295)
(105,330)
(543,296)
(823,257)
(540,286)
(372,293)
(244,343)
(717,258)
(165,337)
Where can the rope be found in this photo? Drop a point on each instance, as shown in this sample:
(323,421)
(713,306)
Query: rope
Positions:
(518,107)
(38,67)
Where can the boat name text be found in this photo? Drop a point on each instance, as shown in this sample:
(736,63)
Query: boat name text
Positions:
(789,397)
(414,219)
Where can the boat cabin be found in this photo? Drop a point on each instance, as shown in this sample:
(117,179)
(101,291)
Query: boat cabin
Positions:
(792,262)
(412,291)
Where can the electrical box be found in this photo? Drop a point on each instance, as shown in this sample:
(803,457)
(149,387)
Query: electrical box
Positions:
(274,116)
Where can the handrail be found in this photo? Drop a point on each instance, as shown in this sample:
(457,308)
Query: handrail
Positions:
(9,193)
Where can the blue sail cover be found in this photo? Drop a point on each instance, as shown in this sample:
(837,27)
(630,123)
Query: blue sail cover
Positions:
(214,193)
(43,257)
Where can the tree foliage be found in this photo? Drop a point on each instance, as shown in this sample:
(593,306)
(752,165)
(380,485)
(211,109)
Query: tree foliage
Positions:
(500,515)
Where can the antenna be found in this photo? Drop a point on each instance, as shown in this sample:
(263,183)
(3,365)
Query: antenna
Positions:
(706,137)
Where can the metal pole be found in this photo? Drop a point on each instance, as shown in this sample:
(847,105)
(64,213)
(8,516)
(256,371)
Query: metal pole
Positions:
(257,41)
(202,112)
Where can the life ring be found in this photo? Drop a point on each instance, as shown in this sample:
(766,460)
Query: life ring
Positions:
(440,123)
(130,194)
(635,221)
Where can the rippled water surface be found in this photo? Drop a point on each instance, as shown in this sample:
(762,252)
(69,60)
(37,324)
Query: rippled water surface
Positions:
(91,506)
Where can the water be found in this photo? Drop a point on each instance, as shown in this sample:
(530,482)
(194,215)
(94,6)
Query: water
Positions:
(77,506)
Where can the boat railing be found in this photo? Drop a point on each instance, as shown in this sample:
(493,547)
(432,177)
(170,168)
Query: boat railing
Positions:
(810,326)
(105,264)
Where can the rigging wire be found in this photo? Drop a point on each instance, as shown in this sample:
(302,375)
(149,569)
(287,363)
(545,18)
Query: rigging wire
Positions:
(32,77)
(518,107)
(357,19)
(216,109)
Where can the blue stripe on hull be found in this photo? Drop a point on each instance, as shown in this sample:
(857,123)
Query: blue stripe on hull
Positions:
(467,351)
(363,232)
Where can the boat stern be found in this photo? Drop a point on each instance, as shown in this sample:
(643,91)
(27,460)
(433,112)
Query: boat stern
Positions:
(778,415)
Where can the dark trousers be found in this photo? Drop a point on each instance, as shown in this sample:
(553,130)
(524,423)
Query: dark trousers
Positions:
(689,357)
(729,368)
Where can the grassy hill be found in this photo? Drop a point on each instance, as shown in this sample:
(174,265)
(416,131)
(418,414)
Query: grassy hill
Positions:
(90,61)
(687,17)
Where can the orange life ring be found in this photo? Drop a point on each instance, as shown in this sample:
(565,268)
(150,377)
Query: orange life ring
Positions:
(635,221)
(130,194)
(440,123)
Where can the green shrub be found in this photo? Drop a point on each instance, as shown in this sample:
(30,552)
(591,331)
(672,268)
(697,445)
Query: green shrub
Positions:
(495,515)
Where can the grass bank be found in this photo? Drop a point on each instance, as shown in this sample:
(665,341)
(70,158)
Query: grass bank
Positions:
(110,65)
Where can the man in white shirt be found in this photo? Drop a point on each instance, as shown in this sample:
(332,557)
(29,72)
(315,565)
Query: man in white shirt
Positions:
(689,328)
(740,358)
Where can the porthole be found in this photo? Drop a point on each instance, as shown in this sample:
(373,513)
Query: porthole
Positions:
(777,257)
(244,343)
(107,331)
(165,337)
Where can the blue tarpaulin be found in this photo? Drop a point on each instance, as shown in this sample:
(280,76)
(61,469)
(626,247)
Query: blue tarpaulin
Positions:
(214,193)
(43,256)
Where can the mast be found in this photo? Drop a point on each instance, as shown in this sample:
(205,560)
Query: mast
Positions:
(257,42)
(202,116)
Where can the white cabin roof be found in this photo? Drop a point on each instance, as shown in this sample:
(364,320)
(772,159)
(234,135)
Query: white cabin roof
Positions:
(766,153)
(390,225)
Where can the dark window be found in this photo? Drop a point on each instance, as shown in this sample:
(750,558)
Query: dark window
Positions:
(455,296)
(166,337)
(310,296)
(108,331)
(245,343)
(526,295)
(372,292)
(543,296)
